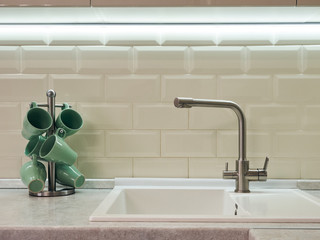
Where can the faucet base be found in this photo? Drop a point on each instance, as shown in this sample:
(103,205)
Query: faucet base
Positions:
(238,191)
(242,183)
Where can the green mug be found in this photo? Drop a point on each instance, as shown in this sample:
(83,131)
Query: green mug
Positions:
(36,122)
(69,120)
(69,176)
(33,174)
(34,145)
(55,149)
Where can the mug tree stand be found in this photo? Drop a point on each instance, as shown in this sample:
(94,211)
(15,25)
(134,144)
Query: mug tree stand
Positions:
(52,191)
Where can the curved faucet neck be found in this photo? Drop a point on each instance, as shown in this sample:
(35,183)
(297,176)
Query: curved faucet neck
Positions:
(190,102)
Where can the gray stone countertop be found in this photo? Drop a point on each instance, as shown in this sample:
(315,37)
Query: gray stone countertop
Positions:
(26,217)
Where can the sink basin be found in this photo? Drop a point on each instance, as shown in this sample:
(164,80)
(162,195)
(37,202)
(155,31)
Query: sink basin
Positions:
(166,204)
(205,204)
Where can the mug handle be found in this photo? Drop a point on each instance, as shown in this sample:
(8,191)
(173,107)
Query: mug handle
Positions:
(61,132)
(33,105)
(65,106)
(34,157)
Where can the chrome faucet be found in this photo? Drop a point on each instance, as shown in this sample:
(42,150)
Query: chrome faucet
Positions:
(243,174)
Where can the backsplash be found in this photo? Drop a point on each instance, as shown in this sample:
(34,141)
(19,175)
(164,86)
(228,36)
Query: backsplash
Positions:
(122,79)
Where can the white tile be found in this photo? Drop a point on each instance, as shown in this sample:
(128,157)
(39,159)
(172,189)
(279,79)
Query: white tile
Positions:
(10,167)
(23,87)
(297,88)
(244,36)
(159,116)
(310,118)
(160,60)
(297,144)
(273,117)
(105,168)
(10,116)
(21,35)
(284,168)
(74,87)
(310,168)
(297,34)
(245,88)
(207,167)
(191,35)
(27,159)
(254,163)
(160,167)
(188,143)
(212,118)
(133,88)
(274,59)
(133,143)
(12,144)
(9,59)
(311,55)
(88,143)
(132,35)
(75,35)
(258,144)
(47,59)
(217,60)
(196,86)
(106,116)
(227,144)
(101,59)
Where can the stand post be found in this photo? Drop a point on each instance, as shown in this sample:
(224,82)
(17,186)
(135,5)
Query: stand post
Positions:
(51,100)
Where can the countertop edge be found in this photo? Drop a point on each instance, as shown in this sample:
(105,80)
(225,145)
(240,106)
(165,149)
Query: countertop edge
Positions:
(123,233)
(89,184)
(303,184)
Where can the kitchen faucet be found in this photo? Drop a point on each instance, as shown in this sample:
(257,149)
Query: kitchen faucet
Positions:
(243,174)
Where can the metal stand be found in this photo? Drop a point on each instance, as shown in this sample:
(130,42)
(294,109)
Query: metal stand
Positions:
(52,192)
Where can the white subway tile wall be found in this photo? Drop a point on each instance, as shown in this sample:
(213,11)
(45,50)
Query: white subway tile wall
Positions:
(44,59)
(122,79)
(9,59)
(217,60)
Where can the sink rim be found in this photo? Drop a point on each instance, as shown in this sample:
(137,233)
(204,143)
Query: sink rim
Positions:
(99,216)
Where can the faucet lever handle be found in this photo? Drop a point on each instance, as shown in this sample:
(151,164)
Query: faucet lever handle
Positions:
(227,166)
(266,162)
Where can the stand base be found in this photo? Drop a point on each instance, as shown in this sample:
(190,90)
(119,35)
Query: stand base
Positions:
(62,192)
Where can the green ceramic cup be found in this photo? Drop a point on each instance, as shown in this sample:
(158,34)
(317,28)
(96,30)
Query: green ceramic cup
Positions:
(55,149)
(69,120)
(34,145)
(36,122)
(69,176)
(33,175)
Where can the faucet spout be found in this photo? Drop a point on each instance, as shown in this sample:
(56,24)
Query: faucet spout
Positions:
(181,102)
(242,174)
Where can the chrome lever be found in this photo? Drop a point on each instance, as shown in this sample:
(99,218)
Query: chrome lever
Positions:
(266,163)
(229,174)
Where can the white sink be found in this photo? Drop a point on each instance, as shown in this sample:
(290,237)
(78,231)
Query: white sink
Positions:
(279,205)
(165,204)
(205,204)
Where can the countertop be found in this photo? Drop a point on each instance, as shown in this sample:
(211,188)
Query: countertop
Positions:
(27,217)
